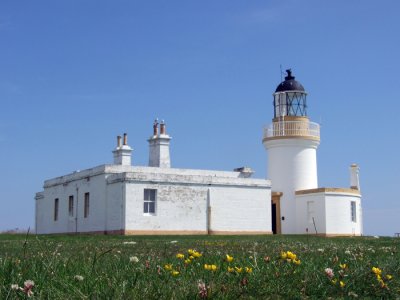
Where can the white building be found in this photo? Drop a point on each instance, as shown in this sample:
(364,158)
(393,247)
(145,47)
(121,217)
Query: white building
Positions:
(157,199)
(298,205)
(125,199)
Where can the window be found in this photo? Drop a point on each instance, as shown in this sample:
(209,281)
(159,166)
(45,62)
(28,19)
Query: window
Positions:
(149,201)
(353,211)
(71,206)
(56,209)
(86,208)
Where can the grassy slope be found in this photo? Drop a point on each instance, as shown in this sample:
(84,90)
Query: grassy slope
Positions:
(104,262)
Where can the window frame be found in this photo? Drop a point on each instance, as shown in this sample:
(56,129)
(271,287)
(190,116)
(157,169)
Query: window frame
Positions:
(71,205)
(353,211)
(150,202)
(86,205)
(56,208)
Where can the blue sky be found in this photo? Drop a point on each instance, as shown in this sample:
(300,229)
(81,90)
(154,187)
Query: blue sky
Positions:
(74,74)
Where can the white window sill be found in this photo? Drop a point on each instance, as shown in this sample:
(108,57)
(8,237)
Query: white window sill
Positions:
(149,214)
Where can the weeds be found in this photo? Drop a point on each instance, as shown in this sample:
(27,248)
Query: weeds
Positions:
(219,267)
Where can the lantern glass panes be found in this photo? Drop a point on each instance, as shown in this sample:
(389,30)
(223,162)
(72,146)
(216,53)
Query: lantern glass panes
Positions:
(290,104)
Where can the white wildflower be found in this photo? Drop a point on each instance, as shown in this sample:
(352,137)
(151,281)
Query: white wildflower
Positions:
(352,294)
(347,252)
(173,242)
(320,250)
(14,287)
(129,243)
(134,259)
(78,278)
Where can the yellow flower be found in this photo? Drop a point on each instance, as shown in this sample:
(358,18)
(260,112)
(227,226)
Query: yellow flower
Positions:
(174,273)
(239,270)
(210,267)
(376,271)
(191,257)
(283,255)
(180,256)
(342,284)
(343,266)
(230,270)
(389,277)
(291,255)
(297,261)
(187,261)
(249,270)
(168,267)
(229,258)
(191,251)
(196,254)
(334,281)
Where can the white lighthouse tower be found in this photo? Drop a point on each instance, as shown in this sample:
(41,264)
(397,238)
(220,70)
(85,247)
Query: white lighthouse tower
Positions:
(291,142)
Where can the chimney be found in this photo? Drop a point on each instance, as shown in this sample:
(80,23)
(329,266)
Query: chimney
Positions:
(155,127)
(159,147)
(354,177)
(122,153)
(125,139)
(162,127)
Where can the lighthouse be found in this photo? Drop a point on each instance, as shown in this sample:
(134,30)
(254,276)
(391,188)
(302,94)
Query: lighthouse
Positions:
(291,142)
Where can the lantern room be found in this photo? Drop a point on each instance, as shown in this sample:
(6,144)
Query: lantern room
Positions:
(290,98)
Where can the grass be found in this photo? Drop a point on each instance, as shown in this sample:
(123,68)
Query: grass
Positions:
(104,267)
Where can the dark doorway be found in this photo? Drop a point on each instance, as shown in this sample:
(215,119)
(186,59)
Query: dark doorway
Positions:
(276,212)
(273,213)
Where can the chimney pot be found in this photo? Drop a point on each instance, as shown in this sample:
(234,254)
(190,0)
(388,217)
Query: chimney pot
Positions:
(118,141)
(162,127)
(155,127)
(125,139)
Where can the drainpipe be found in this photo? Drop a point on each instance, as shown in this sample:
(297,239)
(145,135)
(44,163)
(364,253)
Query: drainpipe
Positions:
(208,212)
(123,208)
(36,215)
(76,210)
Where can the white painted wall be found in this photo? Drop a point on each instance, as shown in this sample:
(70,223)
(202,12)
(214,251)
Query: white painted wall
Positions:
(95,221)
(332,213)
(292,166)
(240,209)
(179,207)
(338,214)
(123,155)
(115,206)
(304,218)
(159,151)
(117,196)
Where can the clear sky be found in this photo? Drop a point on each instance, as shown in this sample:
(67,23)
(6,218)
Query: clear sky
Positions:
(74,74)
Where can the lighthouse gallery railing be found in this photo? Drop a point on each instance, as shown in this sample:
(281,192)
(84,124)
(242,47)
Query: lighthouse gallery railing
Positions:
(292,128)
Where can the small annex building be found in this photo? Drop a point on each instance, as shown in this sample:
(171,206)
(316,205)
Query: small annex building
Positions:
(156,199)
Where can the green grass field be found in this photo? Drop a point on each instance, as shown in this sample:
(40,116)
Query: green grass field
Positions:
(177,267)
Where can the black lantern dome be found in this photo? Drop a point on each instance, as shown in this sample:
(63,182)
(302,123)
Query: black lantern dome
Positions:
(289,84)
(290,98)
